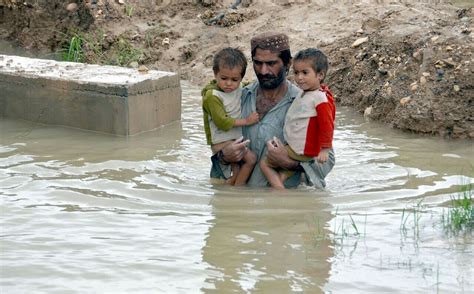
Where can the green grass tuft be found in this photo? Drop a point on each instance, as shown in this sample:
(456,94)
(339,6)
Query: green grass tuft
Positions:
(460,216)
(74,51)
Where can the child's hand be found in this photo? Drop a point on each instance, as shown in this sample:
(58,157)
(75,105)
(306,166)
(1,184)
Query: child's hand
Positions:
(252,118)
(323,155)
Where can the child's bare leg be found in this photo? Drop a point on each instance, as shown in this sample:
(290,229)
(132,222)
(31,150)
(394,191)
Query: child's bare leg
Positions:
(235,172)
(283,176)
(234,166)
(272,175)
(250,159)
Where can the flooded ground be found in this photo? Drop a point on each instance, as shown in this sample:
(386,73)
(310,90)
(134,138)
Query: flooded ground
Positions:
(83,212)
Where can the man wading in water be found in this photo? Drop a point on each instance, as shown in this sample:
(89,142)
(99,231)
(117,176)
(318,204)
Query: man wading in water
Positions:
(271,96)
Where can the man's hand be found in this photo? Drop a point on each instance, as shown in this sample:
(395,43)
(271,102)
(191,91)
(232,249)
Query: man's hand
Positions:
(234,152)
(277,155)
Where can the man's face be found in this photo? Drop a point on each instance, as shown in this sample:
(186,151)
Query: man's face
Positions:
(268,68)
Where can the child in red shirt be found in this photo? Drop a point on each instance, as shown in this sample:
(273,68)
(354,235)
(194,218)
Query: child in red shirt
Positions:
(309,123)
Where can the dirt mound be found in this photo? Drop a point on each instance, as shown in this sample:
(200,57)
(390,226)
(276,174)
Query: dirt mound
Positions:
(419,81)
(41,24)
(407,64)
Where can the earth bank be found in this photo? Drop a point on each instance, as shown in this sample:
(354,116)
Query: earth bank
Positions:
(409,65)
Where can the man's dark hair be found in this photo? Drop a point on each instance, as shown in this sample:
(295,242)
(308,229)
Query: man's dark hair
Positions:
(229,58)
(319,61)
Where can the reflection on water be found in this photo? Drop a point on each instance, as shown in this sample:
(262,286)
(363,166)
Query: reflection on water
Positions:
(87,212)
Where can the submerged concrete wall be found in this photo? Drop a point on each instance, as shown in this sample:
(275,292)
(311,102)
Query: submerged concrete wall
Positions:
(110,99)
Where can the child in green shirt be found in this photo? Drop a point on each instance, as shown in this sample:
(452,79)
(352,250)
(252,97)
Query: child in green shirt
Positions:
(221,100)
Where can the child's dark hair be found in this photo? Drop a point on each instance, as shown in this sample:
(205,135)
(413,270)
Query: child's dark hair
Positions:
(319,61)
(229,58)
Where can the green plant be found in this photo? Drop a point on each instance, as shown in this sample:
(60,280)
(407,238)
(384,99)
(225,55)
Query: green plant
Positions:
(354,226)
(460,215)
(79,46)
(344,229)
(129,10)
(74,50)
(152,34)
(126,53)
(94,43)
(415,211)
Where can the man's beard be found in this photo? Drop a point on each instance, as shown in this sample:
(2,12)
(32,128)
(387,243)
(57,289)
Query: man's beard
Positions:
(270,81)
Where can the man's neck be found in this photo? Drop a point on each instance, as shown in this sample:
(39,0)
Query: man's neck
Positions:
(274,94)
(268,98)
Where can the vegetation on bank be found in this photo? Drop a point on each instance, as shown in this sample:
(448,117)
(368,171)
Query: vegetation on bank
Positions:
(94,48)
(128,49)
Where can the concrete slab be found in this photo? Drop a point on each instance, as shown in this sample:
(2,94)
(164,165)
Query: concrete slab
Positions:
(109,99)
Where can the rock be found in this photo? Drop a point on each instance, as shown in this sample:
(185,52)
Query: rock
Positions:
(382,70)
(434,39)
(413,86)
(456,88)
(121,2)
(368,111)
(142,69)
(362,55)
(71,7)
(422,81)
(359,41)
(405,100)
(426,74)
(449,62)
(417,55)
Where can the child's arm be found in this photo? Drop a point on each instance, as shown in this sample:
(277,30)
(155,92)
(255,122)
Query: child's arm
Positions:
(325,117)
(250,120)
(215,108)
(326,124)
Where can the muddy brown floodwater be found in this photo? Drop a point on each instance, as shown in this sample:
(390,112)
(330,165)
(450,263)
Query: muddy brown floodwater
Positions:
(83,212)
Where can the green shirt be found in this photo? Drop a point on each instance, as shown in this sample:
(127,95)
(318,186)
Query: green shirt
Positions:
(220,110)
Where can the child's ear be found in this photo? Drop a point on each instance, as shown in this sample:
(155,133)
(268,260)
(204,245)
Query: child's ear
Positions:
(321,76)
